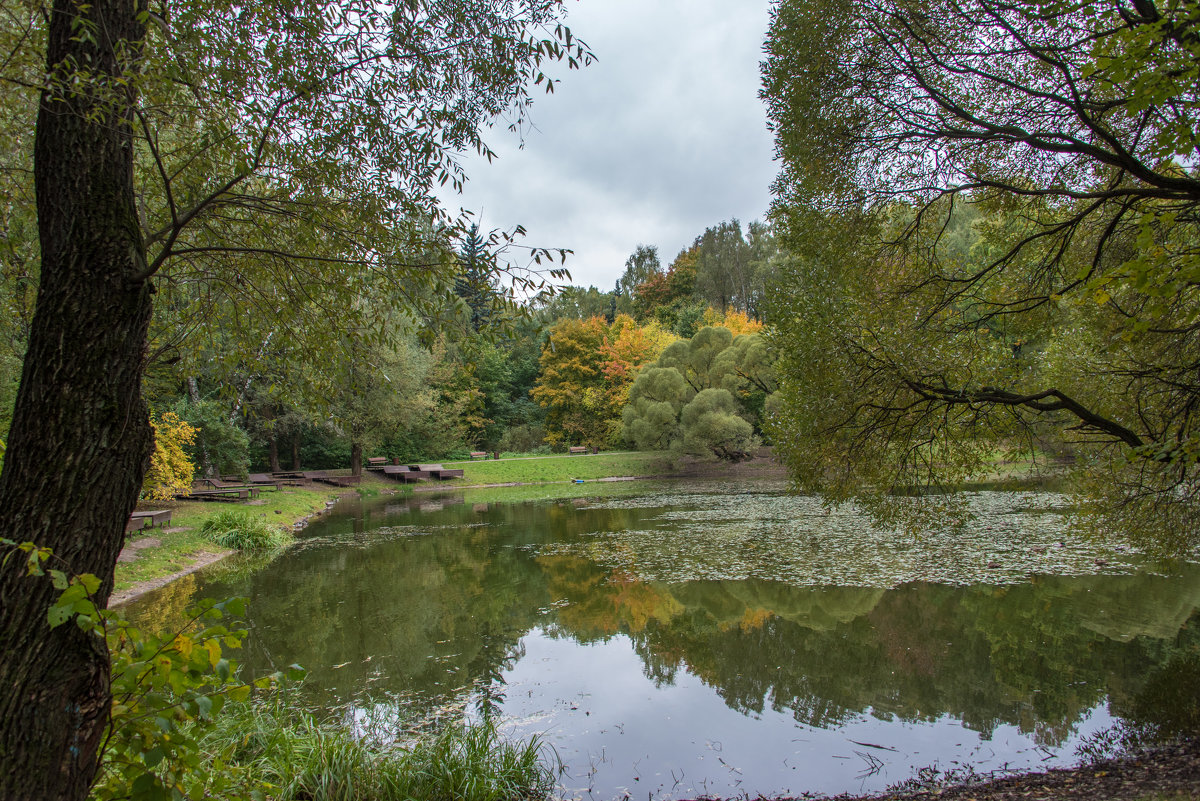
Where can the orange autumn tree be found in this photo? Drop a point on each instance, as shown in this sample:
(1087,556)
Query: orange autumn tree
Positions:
(587,368)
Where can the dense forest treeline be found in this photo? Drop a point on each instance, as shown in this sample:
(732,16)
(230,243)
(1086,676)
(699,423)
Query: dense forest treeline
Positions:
(478,371)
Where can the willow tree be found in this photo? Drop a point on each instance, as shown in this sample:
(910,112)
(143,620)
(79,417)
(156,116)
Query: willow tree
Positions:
(996,217)
(263,162)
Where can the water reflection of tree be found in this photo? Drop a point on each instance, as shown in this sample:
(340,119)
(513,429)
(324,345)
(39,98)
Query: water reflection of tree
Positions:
(438,615)
(1026,655)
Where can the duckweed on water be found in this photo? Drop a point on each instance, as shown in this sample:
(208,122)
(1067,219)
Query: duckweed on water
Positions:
(795,539)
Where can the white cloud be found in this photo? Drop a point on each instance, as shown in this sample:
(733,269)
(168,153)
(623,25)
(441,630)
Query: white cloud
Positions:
(660,138)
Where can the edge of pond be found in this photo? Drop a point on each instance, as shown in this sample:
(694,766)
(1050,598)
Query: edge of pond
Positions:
(203,560)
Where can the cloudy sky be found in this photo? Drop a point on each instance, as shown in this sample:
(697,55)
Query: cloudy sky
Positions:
(659,139)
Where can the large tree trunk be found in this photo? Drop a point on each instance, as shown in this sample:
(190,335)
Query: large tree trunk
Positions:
(356,458)
(80,440)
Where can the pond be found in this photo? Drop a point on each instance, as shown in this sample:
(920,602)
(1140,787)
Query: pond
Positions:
(677,639)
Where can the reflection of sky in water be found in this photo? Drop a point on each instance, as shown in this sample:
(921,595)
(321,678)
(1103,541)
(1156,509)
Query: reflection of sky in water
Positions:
(618,733)
(746,601)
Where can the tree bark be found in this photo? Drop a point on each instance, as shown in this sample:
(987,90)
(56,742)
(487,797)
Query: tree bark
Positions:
(273,451)
(296,450)
(80,441)
(356,458)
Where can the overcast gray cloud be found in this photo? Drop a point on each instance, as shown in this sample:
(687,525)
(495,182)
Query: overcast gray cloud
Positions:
(660,138)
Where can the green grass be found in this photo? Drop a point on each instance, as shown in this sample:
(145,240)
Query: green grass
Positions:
(307,759)
(563,468)
(242,531)
(183,542)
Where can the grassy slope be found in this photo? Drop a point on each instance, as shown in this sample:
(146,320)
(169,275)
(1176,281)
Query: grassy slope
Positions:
(562,468)
(182,542)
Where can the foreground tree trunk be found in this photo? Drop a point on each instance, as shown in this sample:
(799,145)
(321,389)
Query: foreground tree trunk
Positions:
(356,458)
(80,440)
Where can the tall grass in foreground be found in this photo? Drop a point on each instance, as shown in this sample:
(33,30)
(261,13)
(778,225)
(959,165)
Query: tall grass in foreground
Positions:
(241,531)
(307,759)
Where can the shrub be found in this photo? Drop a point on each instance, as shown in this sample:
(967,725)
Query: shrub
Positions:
(527,438)
(241,531)
(171,469)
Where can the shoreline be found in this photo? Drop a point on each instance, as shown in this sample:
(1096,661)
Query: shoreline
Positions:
(203,560)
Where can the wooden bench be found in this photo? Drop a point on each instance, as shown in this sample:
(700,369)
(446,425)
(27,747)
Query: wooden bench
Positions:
(574,449)
(264,480)
(323,477)
(153,517)
(376,462)
(232,494)
(479,454)
(221,484)
(402,472)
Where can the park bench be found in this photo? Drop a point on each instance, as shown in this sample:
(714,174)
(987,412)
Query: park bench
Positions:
(574,449)
(229,485)
(402,472)
(265,480)
(323,477)
(153,517)
(479,455)
(230,494)
(376,462)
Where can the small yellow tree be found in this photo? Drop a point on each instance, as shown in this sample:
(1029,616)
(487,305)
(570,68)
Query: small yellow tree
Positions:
(170,468)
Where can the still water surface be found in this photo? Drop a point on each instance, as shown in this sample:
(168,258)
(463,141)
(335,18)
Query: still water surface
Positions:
(674,639)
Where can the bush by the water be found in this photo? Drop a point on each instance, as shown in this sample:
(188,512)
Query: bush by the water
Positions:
(303,758)
(241,531)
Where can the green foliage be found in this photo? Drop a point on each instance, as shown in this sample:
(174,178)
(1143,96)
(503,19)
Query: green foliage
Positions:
(524,439)
(710,426)
(243,531)
(167,693)
(640,267)
(723,380)
(302,758)
(651,418)
(167,689)
(219,444)
(1026,275)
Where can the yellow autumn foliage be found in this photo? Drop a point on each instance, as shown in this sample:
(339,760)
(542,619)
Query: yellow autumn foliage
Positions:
(736,321)
(171,470)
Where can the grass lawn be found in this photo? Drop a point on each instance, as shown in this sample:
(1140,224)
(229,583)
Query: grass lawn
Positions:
(533,469)
(181,542)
